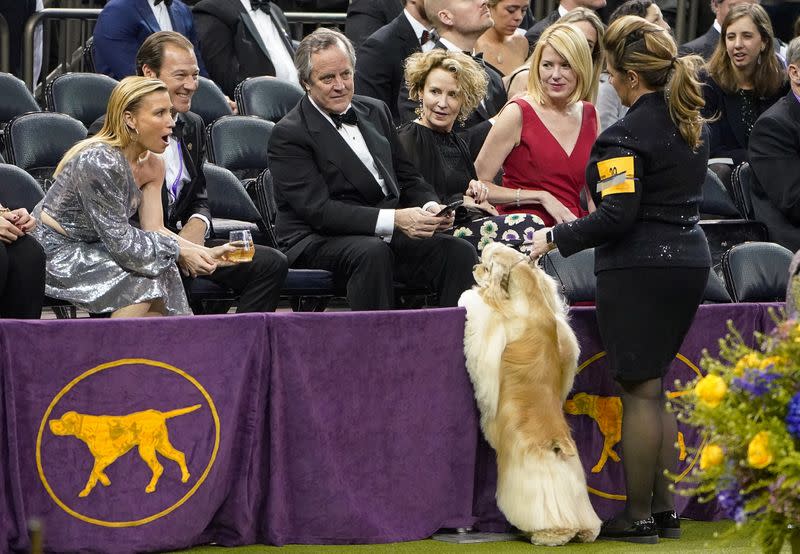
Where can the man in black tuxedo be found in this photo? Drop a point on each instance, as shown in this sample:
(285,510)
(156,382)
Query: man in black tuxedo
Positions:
(348,199)
(774,152)
(364,17)
(169,56)
(459,24)
(381,58)
(705,44)
(564,6)
(241,39)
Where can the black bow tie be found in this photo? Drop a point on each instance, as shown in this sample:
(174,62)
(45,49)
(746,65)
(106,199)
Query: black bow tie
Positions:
(177,131)
(347,118)
(168,3)
(262,5)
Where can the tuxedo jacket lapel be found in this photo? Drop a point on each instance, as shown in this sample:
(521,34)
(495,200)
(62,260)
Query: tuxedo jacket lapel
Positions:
(337,152)
(148,16)
(247,21)
(274,13)
(378,146)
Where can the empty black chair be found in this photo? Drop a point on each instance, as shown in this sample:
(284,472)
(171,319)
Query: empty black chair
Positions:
(231,207)
(716,292)
(266,97)
(209,102)
(16,99)
(83,96)
(717,202)
(574,274)
(742,183)
(239,144)
(36,142)
(757,272)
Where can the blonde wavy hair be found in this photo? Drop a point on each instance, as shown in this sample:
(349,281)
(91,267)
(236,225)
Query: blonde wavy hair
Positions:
(471,77)
(570,44)
(127,96)
(635,44)
(577,15)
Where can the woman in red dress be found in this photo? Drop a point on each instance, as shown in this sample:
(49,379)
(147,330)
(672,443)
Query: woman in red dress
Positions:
(542,140)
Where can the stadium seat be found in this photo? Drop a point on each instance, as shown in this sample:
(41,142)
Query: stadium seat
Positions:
(83,96)
(231,207)
(574,274)
(239,144)
(757,272)
(266,97)
(36,142)
(717,202)
(742,183)
(16,99)
(209,102)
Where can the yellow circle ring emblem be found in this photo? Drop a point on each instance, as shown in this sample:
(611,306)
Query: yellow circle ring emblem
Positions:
(686,361)
(98,369)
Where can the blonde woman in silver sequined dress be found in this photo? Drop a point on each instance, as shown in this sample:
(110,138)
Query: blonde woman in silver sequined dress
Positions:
(96,259)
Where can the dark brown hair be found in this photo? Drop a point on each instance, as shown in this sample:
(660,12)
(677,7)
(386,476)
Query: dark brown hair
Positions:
(151,52)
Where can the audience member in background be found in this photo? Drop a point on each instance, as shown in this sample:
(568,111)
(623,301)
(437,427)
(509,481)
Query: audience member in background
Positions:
(564,6)
(96,259)
(124,24)
(744,78)
(22,263)
(646,174)
(448,85)
(503,46)
(169,57)
(348,199)
(244,38)
(705,44)
(774,152)
(543,139)
(609,106)
(459,24)
(379,66)
(364,17)
(587,22)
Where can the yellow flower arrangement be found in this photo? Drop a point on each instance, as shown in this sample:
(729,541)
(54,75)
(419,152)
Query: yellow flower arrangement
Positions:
(748,407)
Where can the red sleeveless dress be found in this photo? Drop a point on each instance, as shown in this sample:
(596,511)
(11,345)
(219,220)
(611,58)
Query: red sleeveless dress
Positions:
(539,163)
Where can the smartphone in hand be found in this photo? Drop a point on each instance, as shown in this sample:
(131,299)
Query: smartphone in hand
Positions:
(448,210)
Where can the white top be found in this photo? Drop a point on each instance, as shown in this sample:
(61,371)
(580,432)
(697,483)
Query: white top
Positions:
(173,165)
(281,58)
(162,15)
(355,140)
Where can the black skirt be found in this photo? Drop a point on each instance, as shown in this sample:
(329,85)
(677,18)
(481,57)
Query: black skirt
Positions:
(644,314)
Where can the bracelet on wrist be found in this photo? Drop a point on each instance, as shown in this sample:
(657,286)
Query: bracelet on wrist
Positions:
(518,191)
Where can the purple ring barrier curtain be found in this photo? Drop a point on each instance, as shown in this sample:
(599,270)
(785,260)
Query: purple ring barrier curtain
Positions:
(328,428)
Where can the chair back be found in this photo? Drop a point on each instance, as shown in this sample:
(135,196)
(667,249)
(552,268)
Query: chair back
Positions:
(717,202)
(742,182)
(230,206)
(715,289)
(266,97)
(36,142)
(574,274)
(757,272)
(83,96)
(239,143)
(18,189)
(209,101)
(16,98)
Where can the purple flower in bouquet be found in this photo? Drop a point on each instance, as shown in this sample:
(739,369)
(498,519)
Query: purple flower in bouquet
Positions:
(732,503)
(793,416)
(756,382)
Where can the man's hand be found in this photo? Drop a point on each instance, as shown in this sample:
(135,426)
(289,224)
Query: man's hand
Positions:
(196,261)
(446,221)
(232,104)
(220,254)
(8,231)
(417,223)
(194,231)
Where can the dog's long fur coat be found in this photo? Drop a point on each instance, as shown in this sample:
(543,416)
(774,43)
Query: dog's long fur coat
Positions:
(521,356)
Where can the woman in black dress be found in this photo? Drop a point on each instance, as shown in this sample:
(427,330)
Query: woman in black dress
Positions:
(22,264)
(652,259)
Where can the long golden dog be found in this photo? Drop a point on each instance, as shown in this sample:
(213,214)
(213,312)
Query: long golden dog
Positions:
(522,356)
(109,437)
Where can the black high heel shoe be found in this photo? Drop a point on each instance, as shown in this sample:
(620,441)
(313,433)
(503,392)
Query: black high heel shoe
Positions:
(642,531)
(668,524)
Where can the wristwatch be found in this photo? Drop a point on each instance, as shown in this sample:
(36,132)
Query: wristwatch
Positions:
(548,236)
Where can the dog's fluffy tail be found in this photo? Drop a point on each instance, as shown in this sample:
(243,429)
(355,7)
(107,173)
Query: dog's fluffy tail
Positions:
(544,490)
(181,411)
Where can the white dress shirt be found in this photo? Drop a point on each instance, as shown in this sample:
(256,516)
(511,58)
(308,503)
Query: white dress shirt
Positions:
(355,140)
(280,57)
(418,29)
(162,15)
(177,175)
